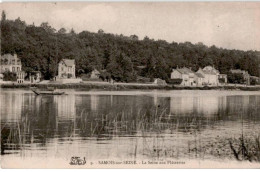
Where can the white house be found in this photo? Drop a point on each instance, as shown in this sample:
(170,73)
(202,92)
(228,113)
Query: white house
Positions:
(199,79)
(66,69)
(66,72)
(210,74)
(187,75)
(11,63)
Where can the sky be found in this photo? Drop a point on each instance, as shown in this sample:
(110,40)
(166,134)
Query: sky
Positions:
(231,25)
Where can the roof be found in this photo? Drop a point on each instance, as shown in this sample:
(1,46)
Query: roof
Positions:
(184,70)
(9,59)
(255,77)
(237,71)
(210,70)
(69,62)
(9,56)
(199,75)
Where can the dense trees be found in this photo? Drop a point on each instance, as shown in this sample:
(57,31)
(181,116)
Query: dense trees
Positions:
(236,78)
(42,47)
(9,76)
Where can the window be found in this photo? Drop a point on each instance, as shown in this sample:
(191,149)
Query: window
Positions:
(18,69)
(13,69)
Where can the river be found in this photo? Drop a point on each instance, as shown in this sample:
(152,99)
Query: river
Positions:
(132,125)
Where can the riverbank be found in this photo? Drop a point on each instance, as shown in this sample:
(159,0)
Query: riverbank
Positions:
(127,86)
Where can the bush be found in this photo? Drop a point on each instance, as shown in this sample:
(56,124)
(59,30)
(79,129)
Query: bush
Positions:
(9,76)
(236,78)
(175,81)
(253,81)
(142,79)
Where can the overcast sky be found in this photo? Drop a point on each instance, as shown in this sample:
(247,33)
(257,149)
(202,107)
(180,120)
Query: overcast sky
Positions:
(232,25)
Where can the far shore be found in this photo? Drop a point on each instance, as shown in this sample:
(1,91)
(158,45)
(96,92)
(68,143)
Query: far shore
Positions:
(127,86)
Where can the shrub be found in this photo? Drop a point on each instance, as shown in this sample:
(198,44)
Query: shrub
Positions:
(175,81)
(9,76)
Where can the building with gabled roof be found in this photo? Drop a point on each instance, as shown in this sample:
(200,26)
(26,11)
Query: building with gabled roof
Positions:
(187,75)
(199,79)
(210,75)
(11,63)
(66,69)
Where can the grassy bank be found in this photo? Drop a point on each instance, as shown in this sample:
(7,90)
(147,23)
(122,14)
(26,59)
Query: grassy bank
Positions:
(126,86)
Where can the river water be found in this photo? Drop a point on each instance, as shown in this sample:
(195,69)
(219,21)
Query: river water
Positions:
(98,125)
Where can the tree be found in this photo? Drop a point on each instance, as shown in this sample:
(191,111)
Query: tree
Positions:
(47,27)
(62,31)
(121,68)
(235,78)
(100,31)
(134,37)
(3,16)
(105,76)
(41,48)
(9,76)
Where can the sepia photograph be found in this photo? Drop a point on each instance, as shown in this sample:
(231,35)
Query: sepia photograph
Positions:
(101,85)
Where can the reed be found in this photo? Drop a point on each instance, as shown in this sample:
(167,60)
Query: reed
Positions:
(246,149)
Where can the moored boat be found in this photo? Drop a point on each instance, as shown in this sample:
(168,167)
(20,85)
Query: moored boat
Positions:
(50,91)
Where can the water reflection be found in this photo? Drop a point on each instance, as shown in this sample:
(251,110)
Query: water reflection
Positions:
(66,106)
(199,105)
(129,125)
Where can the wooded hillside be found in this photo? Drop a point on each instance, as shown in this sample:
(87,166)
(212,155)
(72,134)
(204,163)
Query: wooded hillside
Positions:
(42,47)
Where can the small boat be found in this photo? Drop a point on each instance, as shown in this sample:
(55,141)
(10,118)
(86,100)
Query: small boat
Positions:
(49,91)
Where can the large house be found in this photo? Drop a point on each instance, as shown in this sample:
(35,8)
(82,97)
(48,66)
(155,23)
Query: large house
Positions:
(187,75)
(199,79)
(11,63)
(210,74)
(66,69)
(206,76)
(66,72)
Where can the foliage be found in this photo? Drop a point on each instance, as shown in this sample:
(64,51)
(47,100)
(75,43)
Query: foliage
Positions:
(121,68)
(175,81)
(235,78)
(247,149)
(42,47)
(9,76)
(105,76)
(253,81)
